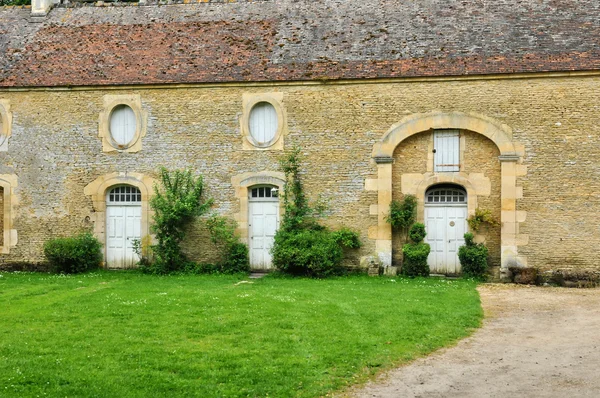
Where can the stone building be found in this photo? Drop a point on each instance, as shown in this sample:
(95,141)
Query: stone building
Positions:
(480,104)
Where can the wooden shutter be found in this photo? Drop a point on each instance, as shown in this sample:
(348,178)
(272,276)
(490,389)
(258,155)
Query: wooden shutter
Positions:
(122,124)
(447,151)
(263,122)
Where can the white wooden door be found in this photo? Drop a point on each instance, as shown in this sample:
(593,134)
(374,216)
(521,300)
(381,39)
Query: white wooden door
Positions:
(445,226)
(262,225)
(122,228)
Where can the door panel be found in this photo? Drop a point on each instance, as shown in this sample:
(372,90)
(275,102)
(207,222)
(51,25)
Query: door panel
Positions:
(264,222)
(123,226)
(445,226)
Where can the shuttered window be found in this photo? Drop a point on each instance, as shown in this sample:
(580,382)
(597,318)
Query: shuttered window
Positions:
(446,144)
(263,122)
(122,125)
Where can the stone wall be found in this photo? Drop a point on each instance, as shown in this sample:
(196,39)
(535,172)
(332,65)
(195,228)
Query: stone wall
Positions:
(55,151)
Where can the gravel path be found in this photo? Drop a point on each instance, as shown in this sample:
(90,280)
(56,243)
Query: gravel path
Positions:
(535,342)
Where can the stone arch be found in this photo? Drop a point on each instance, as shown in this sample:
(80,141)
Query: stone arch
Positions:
(500,134)
(241,183)
(98,189)
(510,155)
(8,183)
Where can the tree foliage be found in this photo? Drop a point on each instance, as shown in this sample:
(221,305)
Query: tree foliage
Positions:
(176,202)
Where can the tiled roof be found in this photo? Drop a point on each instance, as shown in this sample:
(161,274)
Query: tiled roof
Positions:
(296,40)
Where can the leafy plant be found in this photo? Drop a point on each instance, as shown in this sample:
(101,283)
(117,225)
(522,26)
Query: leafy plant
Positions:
(403,214)
(416,253)
(234,254)
(74,254)
(294,201)
(481,216)
(302,246)
(473,257)
(176,202)
(15,2)
(307,252)
(347,238)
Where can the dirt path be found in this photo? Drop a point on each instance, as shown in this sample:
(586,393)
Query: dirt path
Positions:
(535,342)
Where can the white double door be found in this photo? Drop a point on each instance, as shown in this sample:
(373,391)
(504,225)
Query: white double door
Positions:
(123,225)
(445,227)
(263,222)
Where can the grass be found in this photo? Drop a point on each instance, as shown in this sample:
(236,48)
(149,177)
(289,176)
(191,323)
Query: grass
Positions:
(132,335)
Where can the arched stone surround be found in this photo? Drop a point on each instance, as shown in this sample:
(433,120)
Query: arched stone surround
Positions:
(241,183)
(98,188)
(8,182)
(510,157)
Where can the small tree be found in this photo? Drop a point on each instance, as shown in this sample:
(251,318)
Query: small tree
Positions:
(473,257)
(416,253)
(176,202)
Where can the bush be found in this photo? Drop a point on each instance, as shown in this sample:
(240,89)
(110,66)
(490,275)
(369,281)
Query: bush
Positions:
(473,257)
(234,254)
(417,233)
(75,254)
(415,259)
(347,238)
(307,252)
(236,259)
(416,253)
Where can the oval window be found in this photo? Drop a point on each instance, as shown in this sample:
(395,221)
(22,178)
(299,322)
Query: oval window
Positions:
(122,125)
(263,122)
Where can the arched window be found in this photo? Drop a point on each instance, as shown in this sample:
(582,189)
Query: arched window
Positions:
(263,193)
(124,194)
(447,194)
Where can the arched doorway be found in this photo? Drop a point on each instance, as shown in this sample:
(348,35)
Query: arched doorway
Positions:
(263,222)
(446,223)
(123,225)
(510,156)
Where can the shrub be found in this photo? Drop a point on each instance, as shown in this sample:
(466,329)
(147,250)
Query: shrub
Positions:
(402,214)
(234,254)
(73,254)
(307,252)
(347,238)
(417,233)
(176,202)
(473,257)
(416,253)
(302,246)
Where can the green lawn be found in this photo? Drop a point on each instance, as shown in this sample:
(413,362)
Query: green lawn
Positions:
(132,335)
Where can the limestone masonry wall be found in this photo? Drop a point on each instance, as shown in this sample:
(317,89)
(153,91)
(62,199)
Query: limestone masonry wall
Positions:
(55,151)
